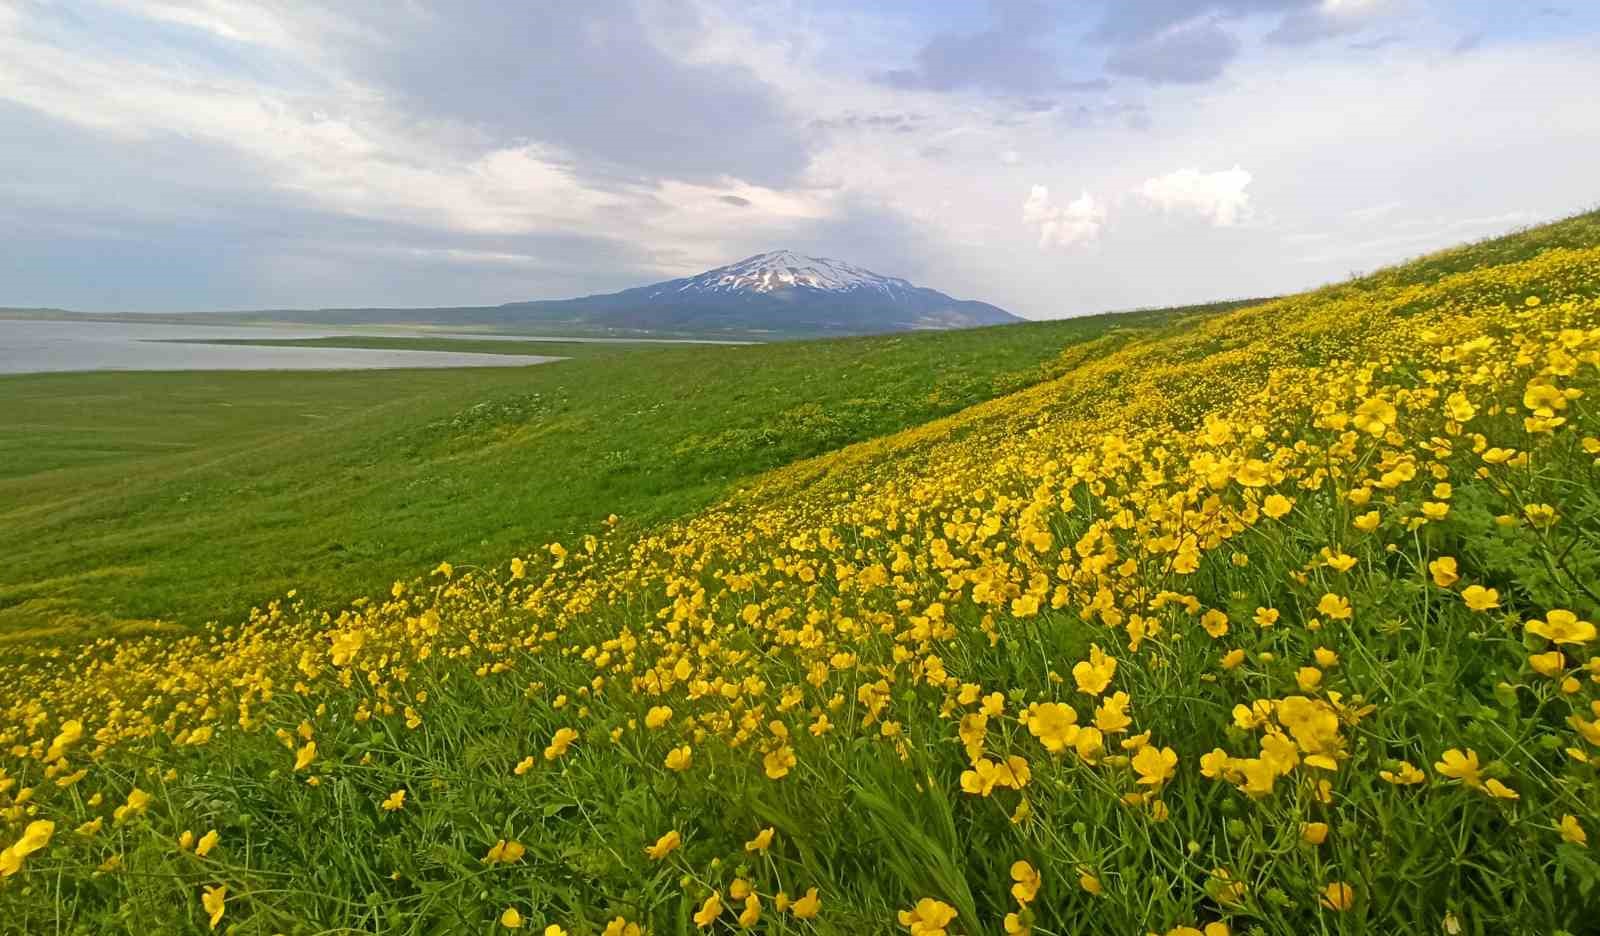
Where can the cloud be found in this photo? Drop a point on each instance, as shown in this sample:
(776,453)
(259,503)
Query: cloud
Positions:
(1219,197)
(1185,54)
(1328,19)
(1010,57)
(735,200)
(1132,20)
(1079,222)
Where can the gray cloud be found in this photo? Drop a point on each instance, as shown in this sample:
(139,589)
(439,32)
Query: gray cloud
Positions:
(1130,21)
(898,123)
(1010,57)
(584,75)
(1185,54)
(734,200)
(1377,42)
(1308,26)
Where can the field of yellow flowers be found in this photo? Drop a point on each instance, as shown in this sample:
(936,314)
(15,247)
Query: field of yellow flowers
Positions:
(1279,622)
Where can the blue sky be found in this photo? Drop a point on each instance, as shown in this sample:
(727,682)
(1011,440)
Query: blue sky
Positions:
(1056,158)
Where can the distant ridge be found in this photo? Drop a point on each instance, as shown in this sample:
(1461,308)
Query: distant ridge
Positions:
(780,292)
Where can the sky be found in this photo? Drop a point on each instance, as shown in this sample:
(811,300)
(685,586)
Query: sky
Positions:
(1054,158)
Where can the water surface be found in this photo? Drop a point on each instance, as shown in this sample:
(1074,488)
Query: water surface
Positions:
(29,346)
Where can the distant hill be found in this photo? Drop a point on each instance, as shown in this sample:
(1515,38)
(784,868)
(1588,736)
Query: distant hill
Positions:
(774,294)
(780,292)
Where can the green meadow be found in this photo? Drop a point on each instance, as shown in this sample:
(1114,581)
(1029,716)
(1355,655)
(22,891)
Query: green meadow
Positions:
(150,500)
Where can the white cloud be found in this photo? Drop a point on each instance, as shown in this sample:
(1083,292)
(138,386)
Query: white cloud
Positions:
(1079,222)
(1218,196)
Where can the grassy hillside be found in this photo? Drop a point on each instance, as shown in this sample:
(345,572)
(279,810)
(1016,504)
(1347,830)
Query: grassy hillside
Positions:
(187,497)
(1278,621)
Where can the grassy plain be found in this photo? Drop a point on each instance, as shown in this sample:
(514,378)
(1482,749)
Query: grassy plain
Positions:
(185,497)
(1272,622)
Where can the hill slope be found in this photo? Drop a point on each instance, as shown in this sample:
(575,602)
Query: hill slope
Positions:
(198,495)
(1278,621)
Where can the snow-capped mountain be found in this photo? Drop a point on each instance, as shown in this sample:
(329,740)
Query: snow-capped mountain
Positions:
(782,269)
(779,293)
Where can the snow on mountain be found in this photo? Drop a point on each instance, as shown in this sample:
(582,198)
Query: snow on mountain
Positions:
(783,269)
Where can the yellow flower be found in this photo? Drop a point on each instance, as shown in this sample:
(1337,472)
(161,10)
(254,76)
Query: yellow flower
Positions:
(1460,766)
(206,843)
(807,906)
(70,733)
(35,837)
(1540,515)
(1276,506)
(1459,408)
(1548,664)
(928,918)
(1368,521)
(778,761)
(1214,622)
(1090,882)
(304,756)
(395,801)
(657,716)
(751,915)
(1094,674)
(1572,831)
(679,758)
(1444,571)
(1231,659)
(1375,416)
(1499,790)
(1112,715)
(214,900)
(504,852)
(1027,882)
(1266,617)
(1054,724)
(664,845)
(511,918)
(1340,562)
(1253,473)
(761,842)
(559,743)
(1479,598)
(523,766)
(1313,833)
(138,802)
(1435,510)
(1562,627)
(1308,677)
(1406,774)
(1155,767)
(1334,606)
(555,930)
(709,911)
(1338,896)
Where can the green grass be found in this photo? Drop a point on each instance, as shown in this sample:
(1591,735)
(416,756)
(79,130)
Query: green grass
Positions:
(191,496)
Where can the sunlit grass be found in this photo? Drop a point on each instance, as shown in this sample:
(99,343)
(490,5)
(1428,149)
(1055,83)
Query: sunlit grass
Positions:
(1278,623)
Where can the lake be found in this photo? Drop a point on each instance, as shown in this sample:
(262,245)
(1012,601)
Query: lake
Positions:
(30,346)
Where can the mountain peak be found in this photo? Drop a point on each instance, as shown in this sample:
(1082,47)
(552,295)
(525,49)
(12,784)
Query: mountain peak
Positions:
(784,269)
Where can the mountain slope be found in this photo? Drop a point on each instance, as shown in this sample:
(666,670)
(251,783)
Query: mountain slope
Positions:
(778,292)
